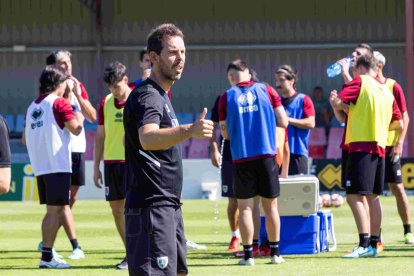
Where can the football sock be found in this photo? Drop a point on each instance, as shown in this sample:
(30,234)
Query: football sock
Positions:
(407,228)
(274,249)
(74,244)
(364,240)
(47,254)
(248,251)
(256,243)
(373,241)
(235,234)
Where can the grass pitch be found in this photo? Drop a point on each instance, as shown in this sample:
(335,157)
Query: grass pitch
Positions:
(20,234)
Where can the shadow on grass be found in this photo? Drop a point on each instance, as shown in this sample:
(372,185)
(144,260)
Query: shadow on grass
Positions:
(91,252)
(399,249)
(16,258)
(18,251)
(211,257)
(72,268)
(212,265)
(215,243)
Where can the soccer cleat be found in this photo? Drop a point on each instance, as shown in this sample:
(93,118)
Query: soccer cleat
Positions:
(409,238)
(234,244)
(379,247)
(54,263)
(122,265)
(277,259)
(265,250)
(361,252)
(77,254)
(248,262)
(55,254)
(192,245)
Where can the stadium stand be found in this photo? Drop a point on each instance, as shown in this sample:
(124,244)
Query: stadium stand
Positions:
(19,123)
(90,126)
(10,121)
(90,142)
(334,141)
(185,145)
(185,118)
(317,143)
(199,148)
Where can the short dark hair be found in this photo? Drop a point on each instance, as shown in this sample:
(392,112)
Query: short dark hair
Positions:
(142,53)
(365,46)
(155,37)
(289,72)
(366,61)
(50,78)
(318,88)
(255,76)
(238,65)
(51,59)
(114,73)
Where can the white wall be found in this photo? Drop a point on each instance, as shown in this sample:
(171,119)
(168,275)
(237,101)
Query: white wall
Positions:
(195,172)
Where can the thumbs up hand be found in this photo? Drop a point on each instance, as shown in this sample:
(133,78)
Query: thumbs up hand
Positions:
(202,128)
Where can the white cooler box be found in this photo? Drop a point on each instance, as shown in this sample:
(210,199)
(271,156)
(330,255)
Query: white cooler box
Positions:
(298,196)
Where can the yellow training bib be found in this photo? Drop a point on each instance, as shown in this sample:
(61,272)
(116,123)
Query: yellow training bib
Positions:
(370,117)
(114,130)
(392,134)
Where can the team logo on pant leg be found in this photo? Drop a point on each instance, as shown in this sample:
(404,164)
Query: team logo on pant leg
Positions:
(162,262)
(106,191)
(225,188)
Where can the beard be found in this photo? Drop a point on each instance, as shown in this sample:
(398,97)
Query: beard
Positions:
(169,72)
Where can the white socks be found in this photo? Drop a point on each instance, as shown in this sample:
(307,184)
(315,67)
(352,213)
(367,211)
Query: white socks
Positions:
(235,234)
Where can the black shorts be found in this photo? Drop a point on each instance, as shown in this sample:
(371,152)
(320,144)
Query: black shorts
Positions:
(114,181)
(393,172)
(298,164)
(155,241)
(257,177)
(78,168)
(344,169)
(54,189)
(366,174)
(227,179)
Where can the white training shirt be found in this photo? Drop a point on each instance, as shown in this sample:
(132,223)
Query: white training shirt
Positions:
(47,144)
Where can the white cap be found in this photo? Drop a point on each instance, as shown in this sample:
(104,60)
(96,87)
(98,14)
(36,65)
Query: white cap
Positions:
(379,57)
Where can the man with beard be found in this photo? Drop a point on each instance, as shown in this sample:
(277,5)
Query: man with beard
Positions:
(301,114)
(154,226)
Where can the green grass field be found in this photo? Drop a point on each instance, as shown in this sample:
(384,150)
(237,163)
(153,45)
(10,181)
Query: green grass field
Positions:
(20,234)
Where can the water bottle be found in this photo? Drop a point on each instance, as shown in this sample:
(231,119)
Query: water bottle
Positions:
(336,68)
